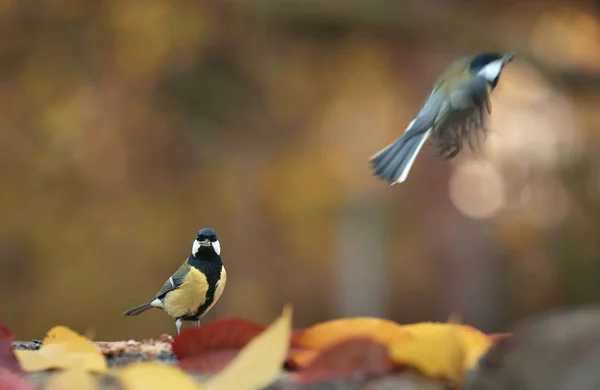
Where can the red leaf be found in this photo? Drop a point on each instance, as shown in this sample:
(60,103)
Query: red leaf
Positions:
(225,334)
(215,360)
(212,346)
(8,361)
(13,382)
(209,361)
(344,359)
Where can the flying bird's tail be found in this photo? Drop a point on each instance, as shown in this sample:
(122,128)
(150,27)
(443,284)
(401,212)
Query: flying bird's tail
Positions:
(134,311)
(393,163)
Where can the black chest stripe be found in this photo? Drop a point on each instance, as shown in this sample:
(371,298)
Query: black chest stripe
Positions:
(212,271)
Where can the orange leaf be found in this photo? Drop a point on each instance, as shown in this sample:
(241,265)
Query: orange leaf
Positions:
(8,361)
(440,350)
(332,332)
(144,376)
(62,348)
(344,359)
(300,358)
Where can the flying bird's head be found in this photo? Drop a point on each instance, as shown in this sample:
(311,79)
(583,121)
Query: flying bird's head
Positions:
(206,242)
(489,65)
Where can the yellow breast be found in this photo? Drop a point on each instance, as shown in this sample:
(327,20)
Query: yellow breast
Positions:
(186,300)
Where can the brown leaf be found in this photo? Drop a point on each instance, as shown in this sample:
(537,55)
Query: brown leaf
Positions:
(344,359)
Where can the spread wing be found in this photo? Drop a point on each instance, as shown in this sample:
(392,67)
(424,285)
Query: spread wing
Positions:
(175,281)
(462,117)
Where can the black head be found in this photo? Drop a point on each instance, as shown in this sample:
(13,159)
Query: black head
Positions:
(207,242)
(489,65)
(483,59)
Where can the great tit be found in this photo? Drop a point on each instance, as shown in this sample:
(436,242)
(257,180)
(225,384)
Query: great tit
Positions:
(453,112)
(195,287)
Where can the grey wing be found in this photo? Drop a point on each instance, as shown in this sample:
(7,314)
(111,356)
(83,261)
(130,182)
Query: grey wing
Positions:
(174,282)
(428,114)
(462,118)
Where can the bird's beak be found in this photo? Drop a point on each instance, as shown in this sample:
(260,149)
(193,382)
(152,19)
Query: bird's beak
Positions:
(204,243)
(508,57)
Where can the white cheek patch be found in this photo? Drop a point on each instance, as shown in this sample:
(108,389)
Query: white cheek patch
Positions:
(217,247)
(195,247)
(492,70)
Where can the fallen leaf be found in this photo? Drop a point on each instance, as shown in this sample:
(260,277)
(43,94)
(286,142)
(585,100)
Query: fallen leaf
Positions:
(441,350)
(434,350)
(228,333)
(146,376)
(13,382)
(344,359)
(72,379)
(8,361)
(214,345)
(474,344)
(62,349)
(328,333)
(260,362)
(495,337)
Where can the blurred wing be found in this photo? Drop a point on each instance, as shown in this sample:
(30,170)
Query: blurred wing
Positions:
(462,117)
(174,281)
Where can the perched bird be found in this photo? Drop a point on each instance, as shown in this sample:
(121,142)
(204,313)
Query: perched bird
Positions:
(195,287)
(453,112)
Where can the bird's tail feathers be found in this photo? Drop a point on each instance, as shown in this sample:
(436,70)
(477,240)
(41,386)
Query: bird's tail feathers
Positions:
(134,311)
(393,163)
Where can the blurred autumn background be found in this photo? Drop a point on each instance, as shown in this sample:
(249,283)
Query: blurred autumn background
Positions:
(126,126)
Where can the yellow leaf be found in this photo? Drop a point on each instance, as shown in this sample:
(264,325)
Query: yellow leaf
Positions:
(62,349)
(147,376)
(59,334)
(72,379)
(327,333)
(260,362)
(474,344)
(435,350)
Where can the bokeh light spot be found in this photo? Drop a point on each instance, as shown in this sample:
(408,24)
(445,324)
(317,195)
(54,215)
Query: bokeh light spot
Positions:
(477,189)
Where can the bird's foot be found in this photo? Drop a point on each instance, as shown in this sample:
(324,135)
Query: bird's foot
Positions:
(178,324)
(197,323)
